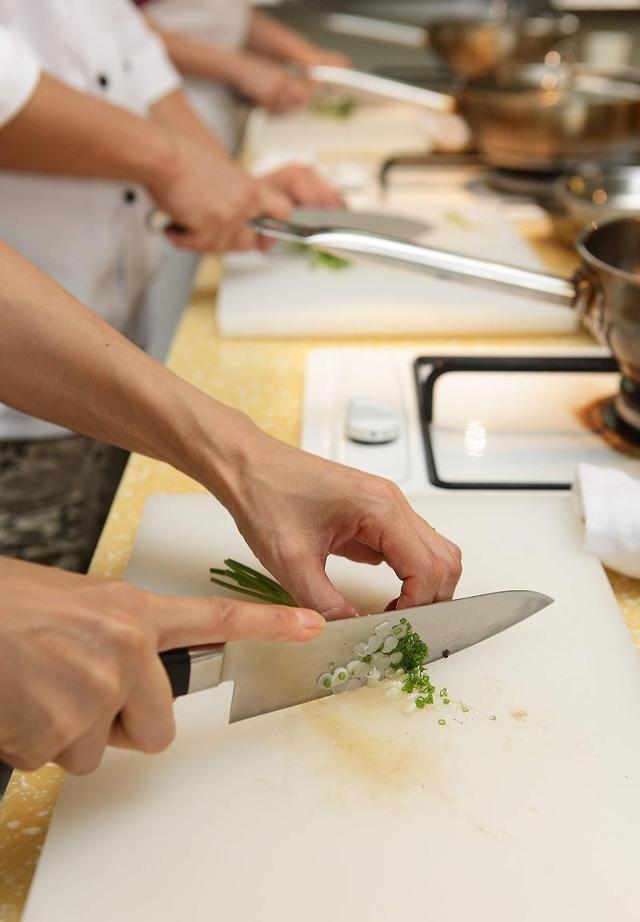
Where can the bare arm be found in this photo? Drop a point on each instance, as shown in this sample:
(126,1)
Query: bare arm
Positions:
(75,353)
(63,131)
(196,58)
(269,37)
(294,509)
(254,77)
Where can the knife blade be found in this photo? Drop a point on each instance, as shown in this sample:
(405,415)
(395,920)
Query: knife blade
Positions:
(269,676)
(360,81)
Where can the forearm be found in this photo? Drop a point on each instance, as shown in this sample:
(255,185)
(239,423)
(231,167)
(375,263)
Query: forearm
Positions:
(269,37)
(195,58)
(60,362)
(174,114)
(66,132)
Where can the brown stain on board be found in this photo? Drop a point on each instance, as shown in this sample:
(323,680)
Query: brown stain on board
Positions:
(375,745)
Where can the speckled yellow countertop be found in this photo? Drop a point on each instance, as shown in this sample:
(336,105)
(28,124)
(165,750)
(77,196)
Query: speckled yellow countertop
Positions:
(264,379)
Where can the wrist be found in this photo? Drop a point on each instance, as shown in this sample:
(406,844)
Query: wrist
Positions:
(239,65)
(301,53)
(215,445)
(156,162)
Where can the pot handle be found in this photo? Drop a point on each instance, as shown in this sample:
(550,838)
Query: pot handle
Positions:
(438,262)
(383,86)
(382,30)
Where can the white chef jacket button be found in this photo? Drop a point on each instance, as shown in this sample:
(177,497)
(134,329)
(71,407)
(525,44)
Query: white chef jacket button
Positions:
(103,81)
(130,196)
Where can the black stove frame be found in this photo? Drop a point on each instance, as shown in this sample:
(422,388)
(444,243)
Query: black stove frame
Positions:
(441,365)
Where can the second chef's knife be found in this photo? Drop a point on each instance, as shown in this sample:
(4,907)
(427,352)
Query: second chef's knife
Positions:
(270,675)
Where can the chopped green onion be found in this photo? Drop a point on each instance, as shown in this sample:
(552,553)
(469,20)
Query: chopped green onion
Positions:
(338,107)
(320,259)
(245,580)
(442,722)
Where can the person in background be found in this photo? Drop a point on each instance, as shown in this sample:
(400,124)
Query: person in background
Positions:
(78,655)
(94,133)
(229,50)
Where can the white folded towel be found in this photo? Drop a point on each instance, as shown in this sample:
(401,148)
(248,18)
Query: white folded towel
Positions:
(609,502)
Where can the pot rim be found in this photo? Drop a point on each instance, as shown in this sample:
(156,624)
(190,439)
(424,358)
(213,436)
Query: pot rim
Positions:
(594,261)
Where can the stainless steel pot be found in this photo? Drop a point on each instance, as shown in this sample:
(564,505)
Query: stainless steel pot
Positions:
(605,291)
(592,194)
(475,48)
(545,118)
(471,46)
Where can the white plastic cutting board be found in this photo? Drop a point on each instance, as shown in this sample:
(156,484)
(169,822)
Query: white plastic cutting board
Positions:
(345,809)
(282,294)
(373,130)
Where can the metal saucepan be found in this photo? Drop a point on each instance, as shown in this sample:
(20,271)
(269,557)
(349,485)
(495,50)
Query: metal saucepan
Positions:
(592,194)
(545,118)
(475,48)
(472,46)
(605,290)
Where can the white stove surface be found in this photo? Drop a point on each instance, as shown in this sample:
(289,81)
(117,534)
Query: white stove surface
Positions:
(508,427)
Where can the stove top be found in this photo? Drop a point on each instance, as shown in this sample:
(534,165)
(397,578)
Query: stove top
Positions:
(516,185)
(510,185)
(469,421)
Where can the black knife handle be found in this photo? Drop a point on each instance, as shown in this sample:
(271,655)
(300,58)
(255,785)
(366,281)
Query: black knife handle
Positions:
(5,777)
(177,664)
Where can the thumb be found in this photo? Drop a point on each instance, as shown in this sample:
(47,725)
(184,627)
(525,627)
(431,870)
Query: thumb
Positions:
(184,622)
(311,586)
(272,202)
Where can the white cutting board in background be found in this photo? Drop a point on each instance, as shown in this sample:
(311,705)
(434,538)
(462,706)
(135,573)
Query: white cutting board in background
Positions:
(281,294)
(374,129)
(345,809)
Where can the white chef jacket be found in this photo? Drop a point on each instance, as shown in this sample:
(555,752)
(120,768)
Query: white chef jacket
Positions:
(224,23)
(89,235)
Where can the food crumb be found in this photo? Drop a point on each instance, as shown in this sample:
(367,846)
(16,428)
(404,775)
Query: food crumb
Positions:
(519,715)
(31,831)
(13,824)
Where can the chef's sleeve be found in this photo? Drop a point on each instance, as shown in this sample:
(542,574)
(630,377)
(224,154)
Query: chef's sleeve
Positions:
(19,75)
(156,75)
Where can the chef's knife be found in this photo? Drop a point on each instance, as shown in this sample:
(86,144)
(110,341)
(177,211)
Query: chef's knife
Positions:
(383,87)
(271,675)
(395,250)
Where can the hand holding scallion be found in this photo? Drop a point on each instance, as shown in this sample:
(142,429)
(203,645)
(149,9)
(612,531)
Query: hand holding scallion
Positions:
(295,510)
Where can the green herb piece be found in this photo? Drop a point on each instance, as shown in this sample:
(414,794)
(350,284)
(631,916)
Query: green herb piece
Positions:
(324,260)
(442,722)
(493,717)
(454,217)
(245,580)
(320,259)
(443,692)
(421,702)
(413,648)
(338,107)
(464,707)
